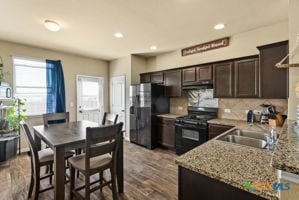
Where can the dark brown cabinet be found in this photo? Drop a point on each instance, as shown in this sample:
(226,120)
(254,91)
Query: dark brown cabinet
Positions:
(274,81)
(197,74)
(173,83)
(166,132)
(157,77)
(223,79)
(145,78)
(217,129)
(194,186)
(204,73)
(246,78)
(189,75)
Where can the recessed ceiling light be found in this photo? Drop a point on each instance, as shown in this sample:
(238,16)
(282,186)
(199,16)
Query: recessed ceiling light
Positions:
(52,25)
(153,47)
(118,35)
(219,26)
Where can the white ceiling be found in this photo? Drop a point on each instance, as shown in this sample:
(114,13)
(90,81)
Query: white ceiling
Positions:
(88,25)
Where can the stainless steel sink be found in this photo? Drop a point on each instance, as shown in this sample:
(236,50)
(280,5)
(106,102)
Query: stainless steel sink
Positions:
(257,143)
(247,138)
(250,134)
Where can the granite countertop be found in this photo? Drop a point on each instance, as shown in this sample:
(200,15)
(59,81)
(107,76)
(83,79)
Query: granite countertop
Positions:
(233,164)
(244,125)
(170,115)
(286,153)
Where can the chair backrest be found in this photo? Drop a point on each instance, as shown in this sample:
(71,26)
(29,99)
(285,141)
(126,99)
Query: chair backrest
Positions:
(102,140)
(54,118)
(33,151)
(109,118)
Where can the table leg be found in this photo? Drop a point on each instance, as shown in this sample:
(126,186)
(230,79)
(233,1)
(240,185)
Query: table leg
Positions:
(59,175)
(37,141)
(120,167)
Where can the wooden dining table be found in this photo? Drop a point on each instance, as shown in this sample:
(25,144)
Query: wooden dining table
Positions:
(69,136)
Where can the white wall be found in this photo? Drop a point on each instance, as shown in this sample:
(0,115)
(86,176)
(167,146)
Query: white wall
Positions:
(293,72)
(242,44)
(118,67)
(138,66)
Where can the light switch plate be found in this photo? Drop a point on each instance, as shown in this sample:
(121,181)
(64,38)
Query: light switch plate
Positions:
(180,107)
(71,104)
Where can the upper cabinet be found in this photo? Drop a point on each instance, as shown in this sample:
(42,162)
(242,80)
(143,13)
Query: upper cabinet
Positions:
(154,77)
(274,81)
(145,78)
(189,75)
(197,74)
(246,78)
(173,83)
(223,79)
(157,77)
(238,78)
(204,73)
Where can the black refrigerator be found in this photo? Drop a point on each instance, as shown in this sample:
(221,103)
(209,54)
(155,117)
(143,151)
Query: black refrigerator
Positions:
(146,101)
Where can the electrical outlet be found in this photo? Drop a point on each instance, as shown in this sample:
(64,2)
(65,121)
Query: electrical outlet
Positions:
(227,110)
(180,107)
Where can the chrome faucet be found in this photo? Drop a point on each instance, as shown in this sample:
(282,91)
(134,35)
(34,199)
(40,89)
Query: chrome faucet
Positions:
(271,138)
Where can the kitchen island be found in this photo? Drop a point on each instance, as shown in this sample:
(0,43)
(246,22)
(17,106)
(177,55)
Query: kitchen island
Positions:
(222,170)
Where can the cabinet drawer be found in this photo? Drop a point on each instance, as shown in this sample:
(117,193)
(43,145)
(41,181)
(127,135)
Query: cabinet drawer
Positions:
(164,120)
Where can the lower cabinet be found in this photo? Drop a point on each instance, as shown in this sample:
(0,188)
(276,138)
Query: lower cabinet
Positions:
(217,129)
(194,186)
(166,132)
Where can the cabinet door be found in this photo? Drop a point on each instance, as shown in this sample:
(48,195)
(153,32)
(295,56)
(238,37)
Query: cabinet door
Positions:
(217,129)
(166,132)
(145,78)
(189,75)
(223,79)
(247,78)
(274,81)
(157,77)
(173,83)
(204,73)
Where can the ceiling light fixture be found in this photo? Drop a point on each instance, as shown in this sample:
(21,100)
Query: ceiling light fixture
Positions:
(219,26)
(118,35)
(52,25)
(153,47)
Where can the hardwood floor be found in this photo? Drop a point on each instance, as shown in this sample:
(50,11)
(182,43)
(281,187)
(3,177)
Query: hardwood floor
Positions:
(148,174)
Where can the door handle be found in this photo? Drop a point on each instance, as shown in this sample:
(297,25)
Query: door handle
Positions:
(80,111)
(122,110)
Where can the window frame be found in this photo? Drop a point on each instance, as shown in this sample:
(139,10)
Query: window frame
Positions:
(14,77)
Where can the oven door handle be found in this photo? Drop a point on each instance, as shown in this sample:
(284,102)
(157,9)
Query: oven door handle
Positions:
(186,126)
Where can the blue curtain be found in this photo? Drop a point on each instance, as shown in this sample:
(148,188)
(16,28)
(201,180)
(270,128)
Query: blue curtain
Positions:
(55,87)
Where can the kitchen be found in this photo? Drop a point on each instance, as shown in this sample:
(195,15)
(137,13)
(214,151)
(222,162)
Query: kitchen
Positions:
(206,116)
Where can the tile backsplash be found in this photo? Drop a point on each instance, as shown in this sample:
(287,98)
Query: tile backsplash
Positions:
(179,105)
(238,107)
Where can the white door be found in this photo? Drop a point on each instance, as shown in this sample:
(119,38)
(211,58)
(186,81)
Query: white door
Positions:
(117,98)
(90,102)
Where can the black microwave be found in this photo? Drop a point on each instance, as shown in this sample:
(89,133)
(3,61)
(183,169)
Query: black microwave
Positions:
(5,92)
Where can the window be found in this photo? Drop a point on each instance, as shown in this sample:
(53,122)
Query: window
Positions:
(30,84)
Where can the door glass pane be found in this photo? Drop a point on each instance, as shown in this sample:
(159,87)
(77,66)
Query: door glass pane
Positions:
(90,95)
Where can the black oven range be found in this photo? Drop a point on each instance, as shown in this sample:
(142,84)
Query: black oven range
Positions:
(192,130)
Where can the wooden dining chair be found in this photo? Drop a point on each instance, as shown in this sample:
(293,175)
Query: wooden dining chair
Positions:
(109,118)
(39,159)
(101,149)
(54,118)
